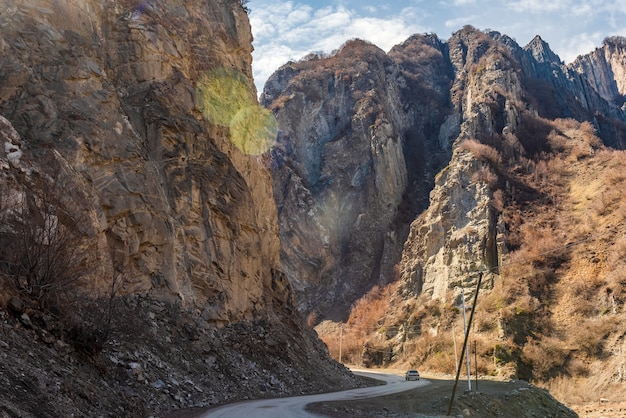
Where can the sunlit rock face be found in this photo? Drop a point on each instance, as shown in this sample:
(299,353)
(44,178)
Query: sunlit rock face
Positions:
(123,99)
(357,134)
(605,69)
(498,93)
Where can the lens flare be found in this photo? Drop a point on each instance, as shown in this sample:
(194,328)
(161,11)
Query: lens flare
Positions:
(227,99)
(253,130)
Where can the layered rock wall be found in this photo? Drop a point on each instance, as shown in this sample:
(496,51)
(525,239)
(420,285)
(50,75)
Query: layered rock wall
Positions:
(605,69)
(110,95)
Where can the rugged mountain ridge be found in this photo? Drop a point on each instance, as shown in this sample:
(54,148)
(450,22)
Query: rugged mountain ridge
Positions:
(525,201)
(426,95)
(125,176)
(604,70)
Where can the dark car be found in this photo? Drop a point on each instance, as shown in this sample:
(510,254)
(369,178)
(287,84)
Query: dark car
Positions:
(412,375)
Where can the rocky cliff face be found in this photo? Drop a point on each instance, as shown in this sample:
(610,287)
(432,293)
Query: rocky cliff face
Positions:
(360,119)
(531,146)
(604,69)
(351,146)
(127,170)
(106,98)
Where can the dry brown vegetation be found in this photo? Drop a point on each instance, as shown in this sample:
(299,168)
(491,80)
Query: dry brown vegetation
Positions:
(555,313)
(346,342)
(483,152)
(47,257)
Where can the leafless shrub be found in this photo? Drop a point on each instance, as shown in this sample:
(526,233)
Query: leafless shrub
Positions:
(311,319)
(544,356)
(368,310)
(437,353)
(497,201)
(90,322)
(607,202)
(44,252)
(346,345)
(533,133)
(557,142)
(483,152)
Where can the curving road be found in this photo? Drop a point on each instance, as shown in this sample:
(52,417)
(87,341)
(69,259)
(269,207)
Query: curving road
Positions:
(294,407)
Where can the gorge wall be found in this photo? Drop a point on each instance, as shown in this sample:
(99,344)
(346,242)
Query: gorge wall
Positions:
(139,241)
(358,146)
(106,100)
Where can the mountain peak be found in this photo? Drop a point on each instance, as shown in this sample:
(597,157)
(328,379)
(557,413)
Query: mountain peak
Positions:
(541,51)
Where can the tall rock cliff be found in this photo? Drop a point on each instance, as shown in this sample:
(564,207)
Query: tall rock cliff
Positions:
(604,69)
(131,169)
(350,163)
(106,98)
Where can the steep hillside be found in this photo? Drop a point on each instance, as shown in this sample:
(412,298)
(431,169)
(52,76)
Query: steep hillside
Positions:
(528,203)
(107,100)
(137,216)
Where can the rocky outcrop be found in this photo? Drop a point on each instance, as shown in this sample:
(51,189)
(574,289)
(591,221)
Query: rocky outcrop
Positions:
(605,69)
(351,142)
(584,90)
(455,240)
(111,95)
(457,237)
(498,92)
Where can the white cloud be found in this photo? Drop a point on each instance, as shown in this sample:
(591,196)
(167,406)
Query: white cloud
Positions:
(539,6)
(459,22)
(582,9)
(580,44)
(289,31)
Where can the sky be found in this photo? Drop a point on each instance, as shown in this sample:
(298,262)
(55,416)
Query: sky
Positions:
(289,30)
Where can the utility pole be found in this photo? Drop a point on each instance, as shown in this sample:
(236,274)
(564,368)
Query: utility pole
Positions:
(456,354)
(458,371)
(466,330)
(475,366)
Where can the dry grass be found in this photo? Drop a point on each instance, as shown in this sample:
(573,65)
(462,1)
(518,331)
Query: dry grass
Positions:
(546,357)
(348,340)
(556,311)
(485,175)
(483,152)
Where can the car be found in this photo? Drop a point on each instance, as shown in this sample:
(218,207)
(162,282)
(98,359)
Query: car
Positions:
(412,375)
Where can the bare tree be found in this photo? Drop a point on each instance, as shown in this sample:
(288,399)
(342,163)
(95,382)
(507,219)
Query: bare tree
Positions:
(91,324)
(42,248)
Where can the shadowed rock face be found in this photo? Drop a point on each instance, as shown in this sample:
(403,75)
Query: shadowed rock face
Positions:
(105,99)
(363,134)
(359,132)
(132,129)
